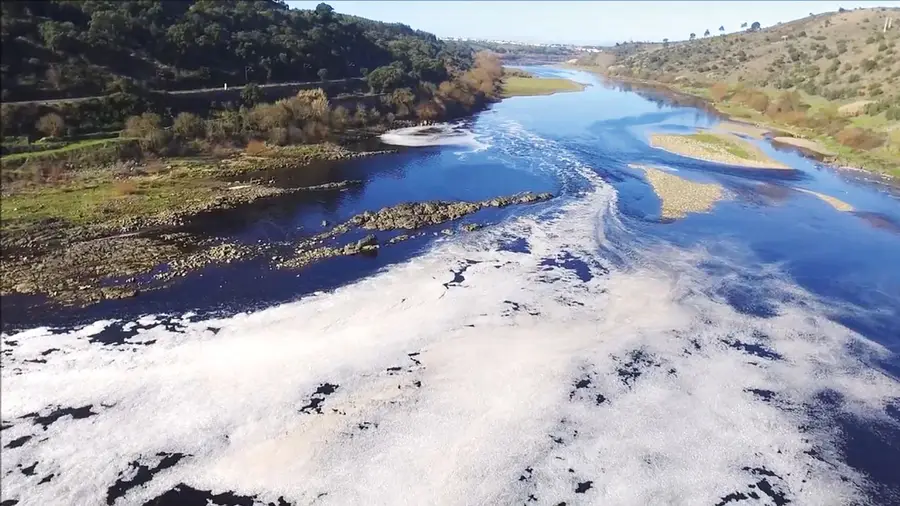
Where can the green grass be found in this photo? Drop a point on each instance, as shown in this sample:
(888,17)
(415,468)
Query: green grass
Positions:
(529,86)
(732,147)
(102,200)
(878,122)
(91,143)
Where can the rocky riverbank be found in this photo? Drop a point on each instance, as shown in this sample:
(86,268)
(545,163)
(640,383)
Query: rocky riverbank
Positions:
(125,265)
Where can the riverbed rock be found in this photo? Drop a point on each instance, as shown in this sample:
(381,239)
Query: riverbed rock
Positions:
(411,216)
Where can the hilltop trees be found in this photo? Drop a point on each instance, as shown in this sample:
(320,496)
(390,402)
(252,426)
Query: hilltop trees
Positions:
(693,36)
(166,45)
(722,28)
(755,26)
(706,34)
(744,24)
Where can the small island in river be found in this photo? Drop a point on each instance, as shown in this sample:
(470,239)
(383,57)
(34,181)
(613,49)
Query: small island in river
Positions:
(518,83)
(724,148)
(680,196)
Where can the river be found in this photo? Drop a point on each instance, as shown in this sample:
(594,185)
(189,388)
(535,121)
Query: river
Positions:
(577,351)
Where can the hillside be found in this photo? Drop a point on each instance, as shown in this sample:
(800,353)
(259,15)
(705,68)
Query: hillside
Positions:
(834,77)
(60,48)
(834,55)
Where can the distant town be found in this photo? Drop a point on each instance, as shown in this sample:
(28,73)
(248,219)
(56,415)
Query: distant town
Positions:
(570,47)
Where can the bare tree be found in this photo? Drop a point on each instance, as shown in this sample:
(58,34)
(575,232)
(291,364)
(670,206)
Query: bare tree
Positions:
(693,36)
(52,125)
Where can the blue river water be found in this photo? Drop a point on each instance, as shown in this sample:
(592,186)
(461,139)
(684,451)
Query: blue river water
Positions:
(810,293)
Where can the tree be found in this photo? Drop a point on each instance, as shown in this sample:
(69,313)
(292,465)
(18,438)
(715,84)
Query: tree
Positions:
(706,34)
(755,26)
(51,125)
(722,28)
(744,24)
(322,73)
(385,78)
(251,95)
(693,36)
(665,42)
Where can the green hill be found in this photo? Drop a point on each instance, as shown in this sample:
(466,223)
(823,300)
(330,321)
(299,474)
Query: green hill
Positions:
(63,48)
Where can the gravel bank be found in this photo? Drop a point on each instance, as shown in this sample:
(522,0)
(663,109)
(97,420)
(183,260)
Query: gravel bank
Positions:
(680,196)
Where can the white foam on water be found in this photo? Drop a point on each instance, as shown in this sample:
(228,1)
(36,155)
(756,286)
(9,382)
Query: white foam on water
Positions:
(438,134)
(520,380)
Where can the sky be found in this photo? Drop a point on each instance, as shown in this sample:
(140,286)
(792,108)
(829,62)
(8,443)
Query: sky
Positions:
(582,22)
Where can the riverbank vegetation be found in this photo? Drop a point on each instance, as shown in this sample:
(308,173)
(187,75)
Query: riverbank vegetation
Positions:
(85,180)
(830,81)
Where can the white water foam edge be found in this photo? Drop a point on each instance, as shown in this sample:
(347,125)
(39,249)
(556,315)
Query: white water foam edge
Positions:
(468,375)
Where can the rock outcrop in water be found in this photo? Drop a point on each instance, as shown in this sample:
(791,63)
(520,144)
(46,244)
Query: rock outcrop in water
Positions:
(411,216)
(406,216)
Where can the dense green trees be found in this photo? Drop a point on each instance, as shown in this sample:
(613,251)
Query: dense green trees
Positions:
(59,48)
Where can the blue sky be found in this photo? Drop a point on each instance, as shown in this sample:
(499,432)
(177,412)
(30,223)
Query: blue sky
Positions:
(582,22)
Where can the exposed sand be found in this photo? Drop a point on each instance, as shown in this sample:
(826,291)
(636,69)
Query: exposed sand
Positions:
(680,196)
(807,144)
(836,203)
(686,145)
(739,127)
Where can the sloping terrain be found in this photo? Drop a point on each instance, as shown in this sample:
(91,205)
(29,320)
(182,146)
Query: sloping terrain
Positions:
(834,55)
(832,78)
(56,49)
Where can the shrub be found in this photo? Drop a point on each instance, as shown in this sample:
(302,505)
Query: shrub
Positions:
(266,117)
(868,65)
(51,125)
(860,138)
(852,78)
(339,117)
(147,129)
(188,126)
(787,102)
(752,98)
(255,147)
(718,91)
